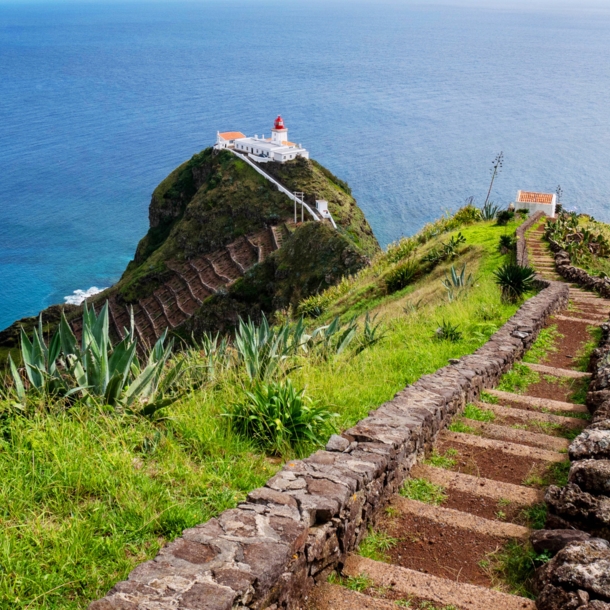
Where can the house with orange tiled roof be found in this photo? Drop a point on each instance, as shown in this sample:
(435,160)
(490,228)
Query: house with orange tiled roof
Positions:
(534,202)
(262,150)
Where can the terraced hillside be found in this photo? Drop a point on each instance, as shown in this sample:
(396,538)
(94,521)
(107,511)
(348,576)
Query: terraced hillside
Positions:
(457,535)
(187,284)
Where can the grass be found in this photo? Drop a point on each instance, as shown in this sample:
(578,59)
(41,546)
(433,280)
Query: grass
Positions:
(461,427)
(545,343)
(473,412)
(554,474)
(87,495)
(488,398)
(512,568)
(358,583)
(447,460)
(535,516)
(518,379)
(584,353)
(376,545)
(423,491)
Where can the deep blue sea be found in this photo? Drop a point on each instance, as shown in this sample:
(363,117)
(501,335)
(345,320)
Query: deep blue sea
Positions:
(409,102)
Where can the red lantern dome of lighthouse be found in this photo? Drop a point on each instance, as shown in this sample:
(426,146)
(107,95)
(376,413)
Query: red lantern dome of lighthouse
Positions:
(279,123)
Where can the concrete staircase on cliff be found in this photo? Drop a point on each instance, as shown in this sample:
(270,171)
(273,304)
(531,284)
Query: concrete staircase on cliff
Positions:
(493,474)
(190,283)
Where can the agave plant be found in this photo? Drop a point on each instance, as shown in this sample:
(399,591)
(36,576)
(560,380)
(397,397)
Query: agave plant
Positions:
(457,281)
(334,338)
(372,333)
(514,281)
(96,370)
(264,348)
(489,210)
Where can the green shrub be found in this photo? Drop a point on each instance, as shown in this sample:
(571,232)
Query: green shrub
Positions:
(372,333)
(445,251)
(400,249)
(313,306)
(514,281)
(263,349)
(507,244)
(276,418)
(504,217)
(467,215)
(401,276)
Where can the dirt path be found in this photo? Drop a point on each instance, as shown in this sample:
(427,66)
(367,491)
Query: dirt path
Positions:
(439,545)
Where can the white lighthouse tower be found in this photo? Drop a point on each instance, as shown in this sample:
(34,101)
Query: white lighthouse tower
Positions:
(279,133)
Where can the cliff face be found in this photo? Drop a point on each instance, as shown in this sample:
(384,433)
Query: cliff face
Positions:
(222,243)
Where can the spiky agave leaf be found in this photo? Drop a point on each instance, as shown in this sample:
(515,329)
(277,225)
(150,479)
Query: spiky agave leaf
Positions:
(19,387)
(514,280)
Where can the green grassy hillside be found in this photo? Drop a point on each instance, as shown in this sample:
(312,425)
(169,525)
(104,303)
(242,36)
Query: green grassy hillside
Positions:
(91,491)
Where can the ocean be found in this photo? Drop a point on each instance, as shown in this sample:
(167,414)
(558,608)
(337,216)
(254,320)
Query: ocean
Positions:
(407,101)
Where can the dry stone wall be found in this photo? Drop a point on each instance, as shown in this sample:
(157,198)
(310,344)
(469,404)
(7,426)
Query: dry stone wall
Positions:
(578,576)
(579,276)
(268,552)
(578,523)
(522,257)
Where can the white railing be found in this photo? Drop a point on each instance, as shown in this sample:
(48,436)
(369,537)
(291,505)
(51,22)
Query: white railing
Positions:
(281,188)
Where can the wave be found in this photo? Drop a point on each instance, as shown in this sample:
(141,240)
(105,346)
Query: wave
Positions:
(78,296)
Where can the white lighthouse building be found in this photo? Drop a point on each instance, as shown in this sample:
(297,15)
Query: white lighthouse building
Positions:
(276,148)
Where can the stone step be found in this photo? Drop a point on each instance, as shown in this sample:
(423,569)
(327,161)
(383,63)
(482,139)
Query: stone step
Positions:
(539,403)
(335,597)
(515,435)
(523,415)
(460,520)
(440,591)
(505,446)
(556,372)
(478,486)
(587,321)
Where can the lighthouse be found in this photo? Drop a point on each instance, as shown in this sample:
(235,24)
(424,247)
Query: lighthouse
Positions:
(279,133)
(263,150)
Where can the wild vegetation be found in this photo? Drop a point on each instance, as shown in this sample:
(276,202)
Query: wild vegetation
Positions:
(584,239)
(92,489)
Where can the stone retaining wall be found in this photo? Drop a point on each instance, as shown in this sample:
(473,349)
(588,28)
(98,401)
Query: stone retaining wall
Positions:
(522,257)
(267,552)
(579,276)
(579,513)
(578,522)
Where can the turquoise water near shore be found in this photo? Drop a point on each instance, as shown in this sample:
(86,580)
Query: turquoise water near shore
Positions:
(408,102)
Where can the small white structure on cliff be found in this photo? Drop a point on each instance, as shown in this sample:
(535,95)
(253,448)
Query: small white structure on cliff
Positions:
(528,200)
(276,148)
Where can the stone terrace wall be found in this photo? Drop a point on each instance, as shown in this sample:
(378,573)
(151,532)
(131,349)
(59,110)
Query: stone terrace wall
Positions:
(267,552)
(576,275)
(578,576)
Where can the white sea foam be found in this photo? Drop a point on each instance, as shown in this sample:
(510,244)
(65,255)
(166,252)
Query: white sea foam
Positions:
(78,296)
